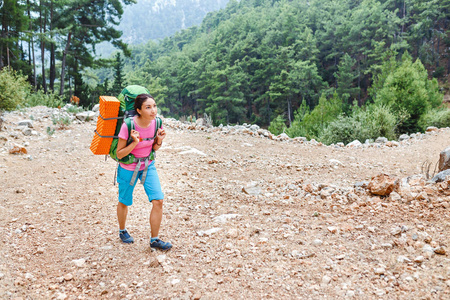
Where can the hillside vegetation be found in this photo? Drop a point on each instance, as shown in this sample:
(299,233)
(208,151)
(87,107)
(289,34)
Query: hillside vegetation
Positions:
(334,71)
(260,61)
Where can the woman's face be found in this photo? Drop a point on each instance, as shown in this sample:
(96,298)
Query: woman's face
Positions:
(148,109)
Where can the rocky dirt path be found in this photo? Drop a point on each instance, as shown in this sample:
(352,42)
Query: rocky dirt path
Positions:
(248,217)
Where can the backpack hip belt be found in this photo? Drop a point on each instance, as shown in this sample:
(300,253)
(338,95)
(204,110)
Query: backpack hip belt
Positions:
(138,166)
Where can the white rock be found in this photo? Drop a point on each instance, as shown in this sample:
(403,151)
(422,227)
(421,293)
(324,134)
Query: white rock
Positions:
(161,258)
(402,259)
(326,279)
(317,242)
(79,262)
(336,162)
(355,143)
(419,259)
(332,229)
(209,231)
(379,271)
(232,233)
(225,217)
(192,151)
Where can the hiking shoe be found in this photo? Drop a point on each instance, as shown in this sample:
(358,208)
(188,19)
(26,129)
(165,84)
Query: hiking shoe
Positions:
(126,237)
(158,244)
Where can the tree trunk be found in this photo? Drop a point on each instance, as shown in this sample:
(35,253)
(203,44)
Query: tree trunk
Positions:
(63,64)
(52,52)
(289,104)
(42,31)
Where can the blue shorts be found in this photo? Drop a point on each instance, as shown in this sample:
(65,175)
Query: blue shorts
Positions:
(152,185)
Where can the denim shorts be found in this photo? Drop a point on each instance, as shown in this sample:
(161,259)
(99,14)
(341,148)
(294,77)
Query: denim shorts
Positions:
(152,185)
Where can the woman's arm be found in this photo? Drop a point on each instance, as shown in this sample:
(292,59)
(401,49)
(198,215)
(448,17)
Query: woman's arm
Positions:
(122,148)
(160,135)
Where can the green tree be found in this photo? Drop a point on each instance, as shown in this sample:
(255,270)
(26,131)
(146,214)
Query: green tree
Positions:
(278,125)
(408,90)
(13,24)
(345,78)
(118,75)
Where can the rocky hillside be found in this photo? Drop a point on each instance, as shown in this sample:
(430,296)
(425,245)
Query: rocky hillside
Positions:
(250,215)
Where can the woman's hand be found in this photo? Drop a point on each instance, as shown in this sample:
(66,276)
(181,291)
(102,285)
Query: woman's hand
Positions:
(135,136)
(160,135)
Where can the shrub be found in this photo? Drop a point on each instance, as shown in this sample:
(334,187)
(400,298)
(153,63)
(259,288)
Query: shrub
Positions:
(39,98)
(278,125)
(311,124)
(14,89)
(407,89)
(437,117)
(370,123)
(62,122)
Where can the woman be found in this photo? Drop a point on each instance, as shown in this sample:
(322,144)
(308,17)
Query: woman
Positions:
(144,128)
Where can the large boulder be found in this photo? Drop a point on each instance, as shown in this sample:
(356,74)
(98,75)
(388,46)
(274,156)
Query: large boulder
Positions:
(444,159)
(382,184)
(441,176)
(86,115)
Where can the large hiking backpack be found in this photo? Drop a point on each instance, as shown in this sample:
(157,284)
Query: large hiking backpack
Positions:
(126,114)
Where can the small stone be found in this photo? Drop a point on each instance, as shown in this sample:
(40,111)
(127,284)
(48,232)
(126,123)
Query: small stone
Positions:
(402,259)
(175,281)
(197,296)
(61,296)
(317,242)
(68,277)
(40,250)
(387,245)
(396,231)
(395,196)
(379,271)
(350,294)
(232,233)
(326,279)
(440,250)
(79,262)
(19,281)
(332,229)
(419,259)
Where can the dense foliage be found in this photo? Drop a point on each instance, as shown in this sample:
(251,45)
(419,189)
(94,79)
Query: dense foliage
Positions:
(331,70)
(62,34)
(256,60)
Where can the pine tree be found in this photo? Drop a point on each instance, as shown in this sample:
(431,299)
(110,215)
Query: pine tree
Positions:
(118,75)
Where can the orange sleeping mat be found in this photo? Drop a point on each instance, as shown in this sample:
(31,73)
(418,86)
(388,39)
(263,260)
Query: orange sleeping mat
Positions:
(109,108)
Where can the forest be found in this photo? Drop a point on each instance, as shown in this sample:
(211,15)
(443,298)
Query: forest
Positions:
(334,70)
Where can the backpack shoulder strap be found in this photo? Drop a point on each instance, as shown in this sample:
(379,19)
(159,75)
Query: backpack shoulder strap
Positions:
(157,125)
(130,125)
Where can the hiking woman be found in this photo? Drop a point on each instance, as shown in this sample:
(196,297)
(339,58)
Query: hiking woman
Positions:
(144,128)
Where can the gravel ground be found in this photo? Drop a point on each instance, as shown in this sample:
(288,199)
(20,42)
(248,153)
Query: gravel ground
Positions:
(249,218)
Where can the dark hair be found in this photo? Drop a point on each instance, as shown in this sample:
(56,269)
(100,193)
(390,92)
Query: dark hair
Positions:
(140,99)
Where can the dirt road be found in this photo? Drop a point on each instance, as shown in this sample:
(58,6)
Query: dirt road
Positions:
(287,239)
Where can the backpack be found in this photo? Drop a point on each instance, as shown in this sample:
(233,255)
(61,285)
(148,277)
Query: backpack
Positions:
(126,114)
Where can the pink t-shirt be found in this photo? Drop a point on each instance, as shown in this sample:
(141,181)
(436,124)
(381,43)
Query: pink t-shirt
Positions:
(143,148)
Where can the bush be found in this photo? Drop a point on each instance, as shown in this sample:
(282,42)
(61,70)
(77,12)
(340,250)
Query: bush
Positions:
(437,117)
(278,125)
(39,98)
(407,89)
(370,123)
(14,89)
(311,124)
